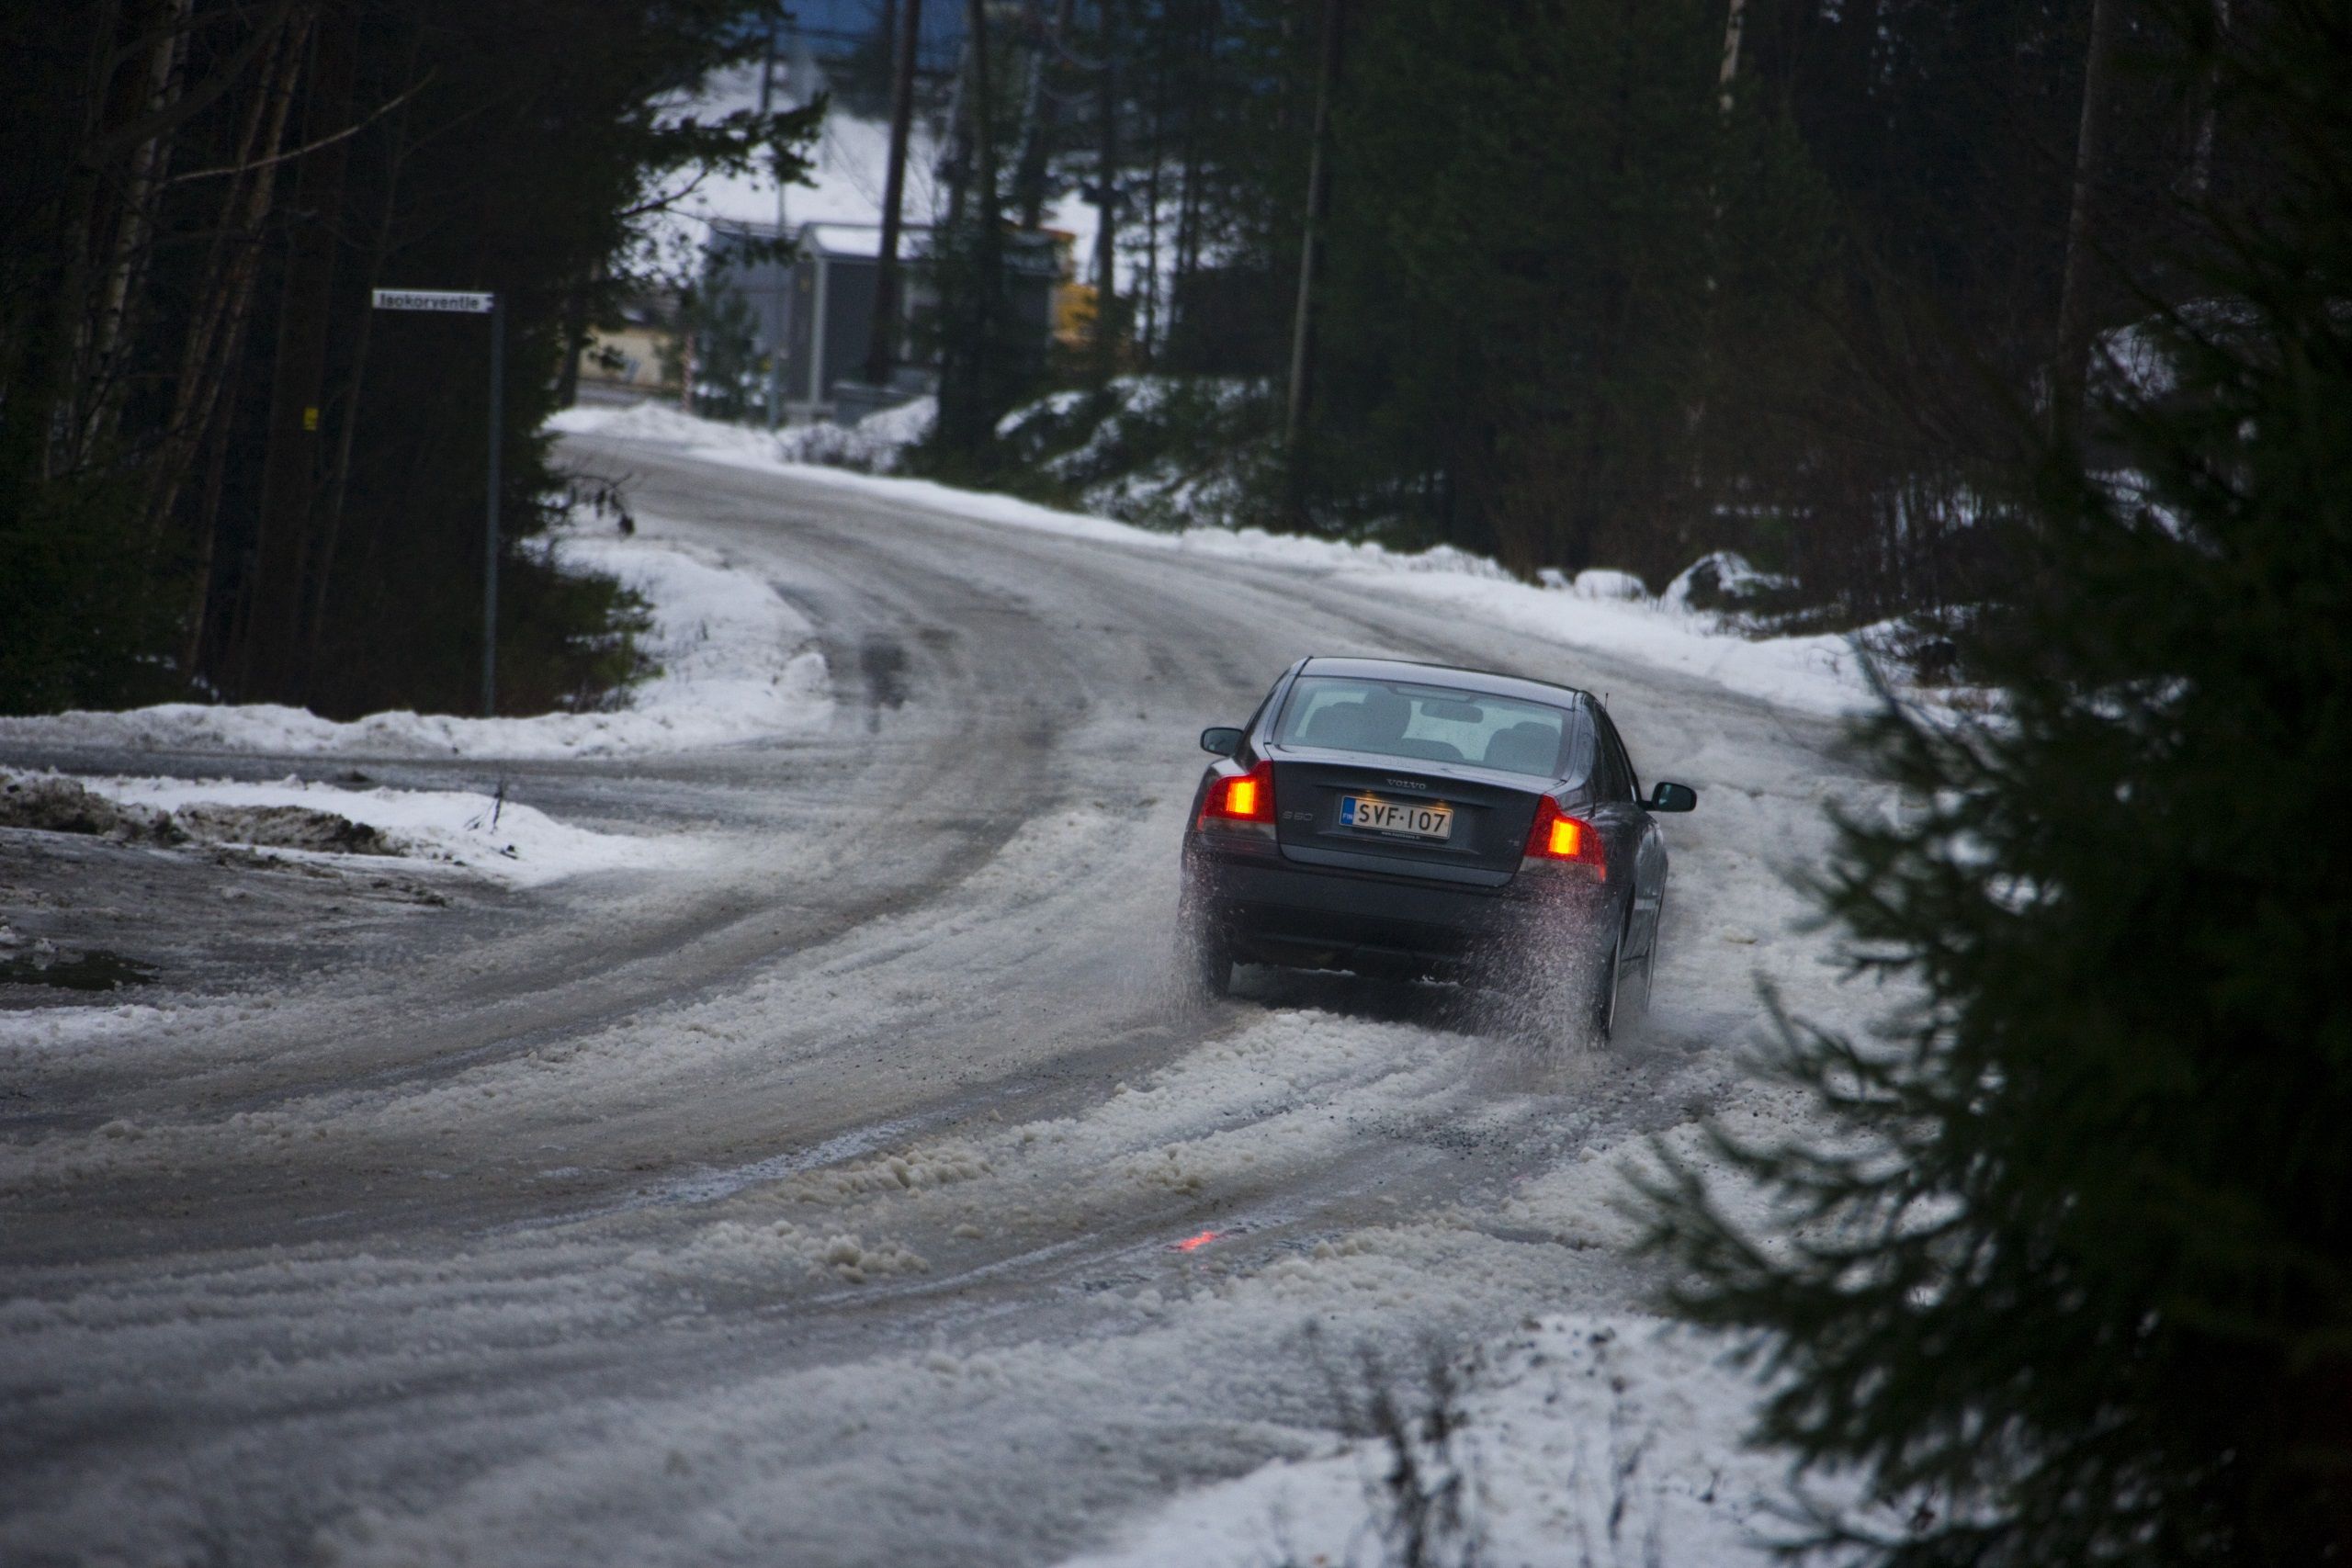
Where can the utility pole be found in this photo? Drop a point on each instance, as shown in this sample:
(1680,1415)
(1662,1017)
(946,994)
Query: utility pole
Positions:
(772,312)
(1106,199)
(1311,250)
(489,532)
(449,302)
(881,346)
(1038,112)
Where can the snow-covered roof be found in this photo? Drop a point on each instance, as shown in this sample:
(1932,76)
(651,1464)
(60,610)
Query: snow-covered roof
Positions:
(859,239)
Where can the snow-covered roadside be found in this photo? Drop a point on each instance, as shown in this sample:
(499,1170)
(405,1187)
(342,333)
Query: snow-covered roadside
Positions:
(509,843)
(1587,1439)
(735,663)
(1820,674)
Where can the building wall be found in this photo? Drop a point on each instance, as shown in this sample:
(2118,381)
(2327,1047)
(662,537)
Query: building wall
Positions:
(640,350)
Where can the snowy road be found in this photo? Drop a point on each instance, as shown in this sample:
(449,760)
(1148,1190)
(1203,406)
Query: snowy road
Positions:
(839,1197)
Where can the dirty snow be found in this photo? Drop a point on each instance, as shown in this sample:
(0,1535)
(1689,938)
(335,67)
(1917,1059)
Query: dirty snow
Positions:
(502,840)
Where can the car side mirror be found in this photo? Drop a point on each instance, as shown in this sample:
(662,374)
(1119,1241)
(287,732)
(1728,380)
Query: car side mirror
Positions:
(1225,741)
(1674,797)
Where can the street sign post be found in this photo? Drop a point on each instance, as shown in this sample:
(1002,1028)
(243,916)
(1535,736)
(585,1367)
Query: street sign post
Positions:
(450,302)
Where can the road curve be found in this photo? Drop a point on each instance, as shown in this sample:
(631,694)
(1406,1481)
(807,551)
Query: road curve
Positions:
(817,1203)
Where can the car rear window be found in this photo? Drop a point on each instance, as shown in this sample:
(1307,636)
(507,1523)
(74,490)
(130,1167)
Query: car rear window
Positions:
(1430,724)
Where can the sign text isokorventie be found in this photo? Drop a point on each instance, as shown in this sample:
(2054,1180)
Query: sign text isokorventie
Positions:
(434,299)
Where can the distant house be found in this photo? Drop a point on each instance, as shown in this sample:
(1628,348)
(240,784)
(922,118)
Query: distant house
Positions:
(639,350)
(812,313)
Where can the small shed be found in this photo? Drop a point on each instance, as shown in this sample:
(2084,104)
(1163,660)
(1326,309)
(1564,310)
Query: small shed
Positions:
(814,311)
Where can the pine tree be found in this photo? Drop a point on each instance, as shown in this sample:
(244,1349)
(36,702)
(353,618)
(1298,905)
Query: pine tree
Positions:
(2071,1280)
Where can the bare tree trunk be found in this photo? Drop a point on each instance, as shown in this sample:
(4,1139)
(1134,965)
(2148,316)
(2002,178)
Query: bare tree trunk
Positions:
(217,335)
(218,319)
(102,367)
(55,333)
(989,252)
(882,342)
(1037,129)
(1189,202)
(1318,201)
(2070,364)
(2200,183)
(1106,199)
(1735,28)
(290,461)
(347,416)
(575,337)
(1151,204)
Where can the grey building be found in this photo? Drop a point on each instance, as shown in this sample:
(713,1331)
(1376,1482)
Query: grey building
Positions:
(812,313)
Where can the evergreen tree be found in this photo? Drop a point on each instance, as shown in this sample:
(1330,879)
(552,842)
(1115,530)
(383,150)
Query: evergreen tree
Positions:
(1538,208)
(2070,1280)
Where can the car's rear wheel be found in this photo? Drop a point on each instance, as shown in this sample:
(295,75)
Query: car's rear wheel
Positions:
(1212,961)
(1608,985)
(1203,952)
(1649,959)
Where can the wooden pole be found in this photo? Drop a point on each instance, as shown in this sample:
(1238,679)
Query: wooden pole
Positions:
(1318,201)
(882,340)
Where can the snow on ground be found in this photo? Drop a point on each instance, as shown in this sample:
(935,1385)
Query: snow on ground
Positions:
(1139,1265)
(1591,1438)
(1600,610)
(511,842)
(734,663)
(874,444)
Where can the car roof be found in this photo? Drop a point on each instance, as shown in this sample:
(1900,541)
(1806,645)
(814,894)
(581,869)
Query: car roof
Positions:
(1447,675)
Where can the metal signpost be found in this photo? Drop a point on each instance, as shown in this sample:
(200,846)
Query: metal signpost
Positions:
(448,303)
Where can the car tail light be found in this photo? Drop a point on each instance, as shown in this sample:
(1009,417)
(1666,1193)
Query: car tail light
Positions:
(1557,838)
(1244,797)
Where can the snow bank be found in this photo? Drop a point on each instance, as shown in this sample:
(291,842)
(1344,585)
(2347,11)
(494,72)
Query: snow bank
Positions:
(513,843)
(874,445)
(734,664)
(1604,611)
(1588,1438)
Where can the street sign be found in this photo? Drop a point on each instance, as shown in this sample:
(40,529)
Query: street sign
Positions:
(435,299)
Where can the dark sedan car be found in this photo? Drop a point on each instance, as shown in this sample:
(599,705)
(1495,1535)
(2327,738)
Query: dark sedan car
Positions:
(1412,820)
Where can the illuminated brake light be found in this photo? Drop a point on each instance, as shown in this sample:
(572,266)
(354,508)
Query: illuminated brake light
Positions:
(1246,797)
(1567,839)
(1557,837)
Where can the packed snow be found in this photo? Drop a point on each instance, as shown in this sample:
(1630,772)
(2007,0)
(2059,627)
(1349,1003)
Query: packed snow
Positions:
(1602,610)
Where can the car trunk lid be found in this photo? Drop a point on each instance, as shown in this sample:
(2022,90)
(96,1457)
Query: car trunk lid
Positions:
(1441,822)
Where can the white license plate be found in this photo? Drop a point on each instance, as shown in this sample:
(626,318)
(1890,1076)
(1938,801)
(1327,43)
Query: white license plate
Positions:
(1412,818)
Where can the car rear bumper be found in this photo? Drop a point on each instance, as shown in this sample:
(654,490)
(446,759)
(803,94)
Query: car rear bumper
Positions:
(1275,912)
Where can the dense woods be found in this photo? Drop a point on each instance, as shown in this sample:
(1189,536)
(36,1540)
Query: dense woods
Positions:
(1600,284)
(221,474)
(2063,1268)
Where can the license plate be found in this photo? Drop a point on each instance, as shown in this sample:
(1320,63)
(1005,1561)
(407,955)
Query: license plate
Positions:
(1412,817)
